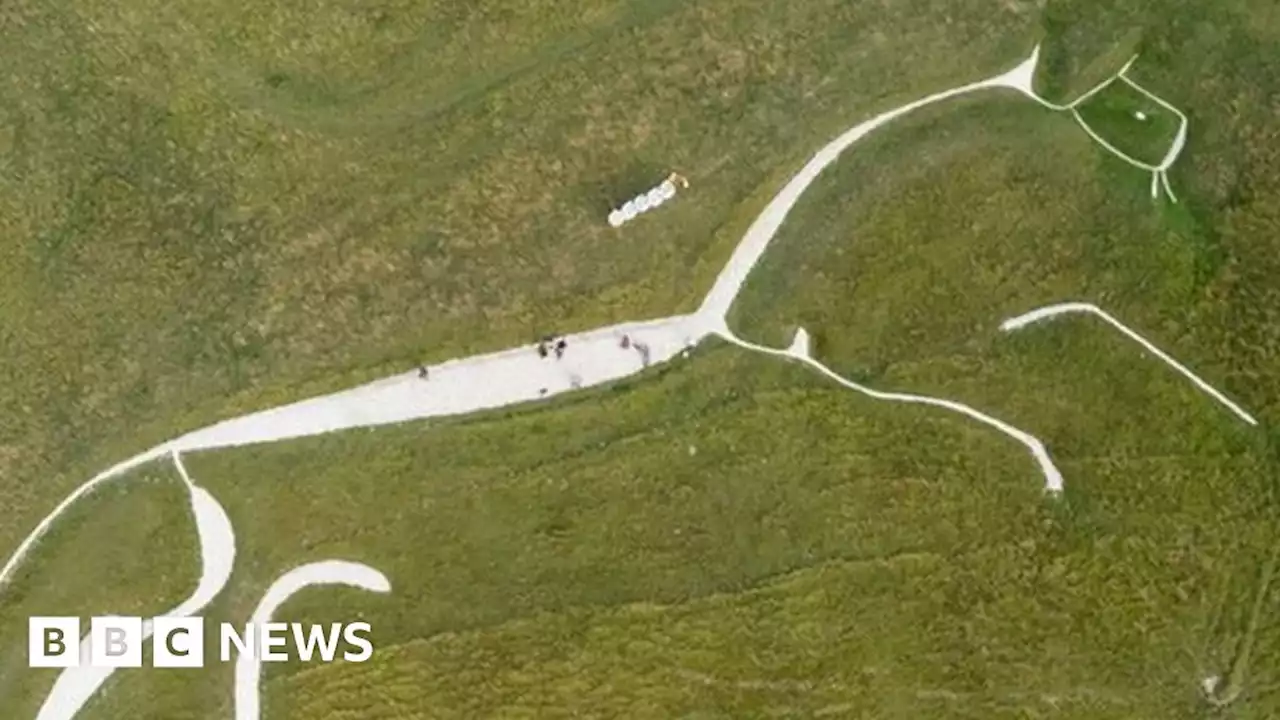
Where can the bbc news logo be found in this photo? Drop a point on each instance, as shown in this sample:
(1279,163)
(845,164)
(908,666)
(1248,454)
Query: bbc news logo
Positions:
(116,642)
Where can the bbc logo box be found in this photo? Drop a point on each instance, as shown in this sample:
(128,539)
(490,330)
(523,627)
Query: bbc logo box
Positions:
(116,642)
(54,642)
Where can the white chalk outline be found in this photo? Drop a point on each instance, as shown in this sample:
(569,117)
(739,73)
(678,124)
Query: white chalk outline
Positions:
(1049,312)
(710,318)
(363,407)
(1160,172)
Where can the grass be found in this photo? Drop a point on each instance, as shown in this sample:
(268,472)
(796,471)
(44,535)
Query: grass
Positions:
(214,208)
(815,551)
(128,548)
(868,264)
(903,278)
(1235,684)
(218,207)
(203,219)
(1112,113)
(555,508)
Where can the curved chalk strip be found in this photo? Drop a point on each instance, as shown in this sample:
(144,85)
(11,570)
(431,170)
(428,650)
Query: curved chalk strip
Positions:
(1051,311)
(76,686)
(715,306)
(248,674)
(1053,482)
(6,573)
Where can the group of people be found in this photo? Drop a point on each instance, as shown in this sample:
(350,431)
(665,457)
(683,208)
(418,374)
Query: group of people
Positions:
(627,343)
(550,344)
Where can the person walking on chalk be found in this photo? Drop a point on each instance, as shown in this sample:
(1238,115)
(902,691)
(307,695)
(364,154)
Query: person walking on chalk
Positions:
(560,348)
(422,371)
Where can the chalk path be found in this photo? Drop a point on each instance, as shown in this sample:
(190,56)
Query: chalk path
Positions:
(499,380)
(455,387)
(462,386)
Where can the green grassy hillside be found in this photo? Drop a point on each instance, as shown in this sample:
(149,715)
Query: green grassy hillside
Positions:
(128,548)
(736,537)
(216,207)
(211,208)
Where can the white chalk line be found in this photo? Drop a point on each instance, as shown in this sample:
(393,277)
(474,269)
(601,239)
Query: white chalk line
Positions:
(1049,312)
(248,670)
(1159,172)
(182,468)
(75,686)
(1053,481)
(6,573)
